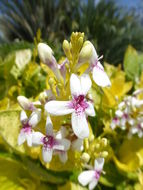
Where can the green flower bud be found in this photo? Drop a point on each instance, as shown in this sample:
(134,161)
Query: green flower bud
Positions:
(104,142)
(104,154)
(97,146)
(85,53)
(85,157)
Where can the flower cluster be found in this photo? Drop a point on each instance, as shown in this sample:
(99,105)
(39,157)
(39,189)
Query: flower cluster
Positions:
(68,94)
(129,115)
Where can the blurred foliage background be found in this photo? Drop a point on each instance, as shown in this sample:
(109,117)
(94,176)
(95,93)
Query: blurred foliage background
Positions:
(108,25)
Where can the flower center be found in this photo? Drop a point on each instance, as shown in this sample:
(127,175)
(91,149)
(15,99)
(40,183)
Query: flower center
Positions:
(49,141)
(115,119)
(79,103)
(125,116)
(97,174)
(26,128)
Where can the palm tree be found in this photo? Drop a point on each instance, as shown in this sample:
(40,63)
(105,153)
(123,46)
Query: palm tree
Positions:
(22,19)
(109,27)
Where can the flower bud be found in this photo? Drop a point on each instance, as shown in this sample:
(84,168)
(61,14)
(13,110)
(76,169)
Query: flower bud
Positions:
(85,157)
(46,56)
(104,142)
(97,146)
(85,53)
(45,53)
(104,154)
(91,137)
(25,103)
(66,45)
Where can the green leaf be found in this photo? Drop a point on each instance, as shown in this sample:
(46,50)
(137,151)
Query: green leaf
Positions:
(12,175)
(10,127)
(39,172)
(131,63)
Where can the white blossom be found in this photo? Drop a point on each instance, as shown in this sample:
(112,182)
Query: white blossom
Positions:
(91,177)
(78,106)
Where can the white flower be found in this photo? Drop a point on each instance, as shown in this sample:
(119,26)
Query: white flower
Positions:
(51,142)
(99,75)
(91,177)
(27,125)
(136,102)
(78,106)
(115,122)
(136,127)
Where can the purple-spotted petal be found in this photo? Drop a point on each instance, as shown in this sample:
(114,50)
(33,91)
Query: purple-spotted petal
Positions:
(86,177)
(37,138)
(98,164)
(85,83)
(75,85)
(100,77)
(47,154)
(90,109)
(58,107)
(80,125)
(92,184)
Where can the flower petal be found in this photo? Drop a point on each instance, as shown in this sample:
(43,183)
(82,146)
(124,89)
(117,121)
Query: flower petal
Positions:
(85,83)
(47,154)
(92,184)
(80,125)
(77,144)
(98,164)
(90,110)
(66,143)
(23,116)
(62,133)
(21,138)
(29,139)
(35,118)
(58,107)
(119,113)
(100,77)
(75,85)
(62,144)
(63,156)
(49,126)
(37,138)
(86,177)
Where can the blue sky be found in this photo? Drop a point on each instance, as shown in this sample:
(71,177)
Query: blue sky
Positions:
(128,3)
